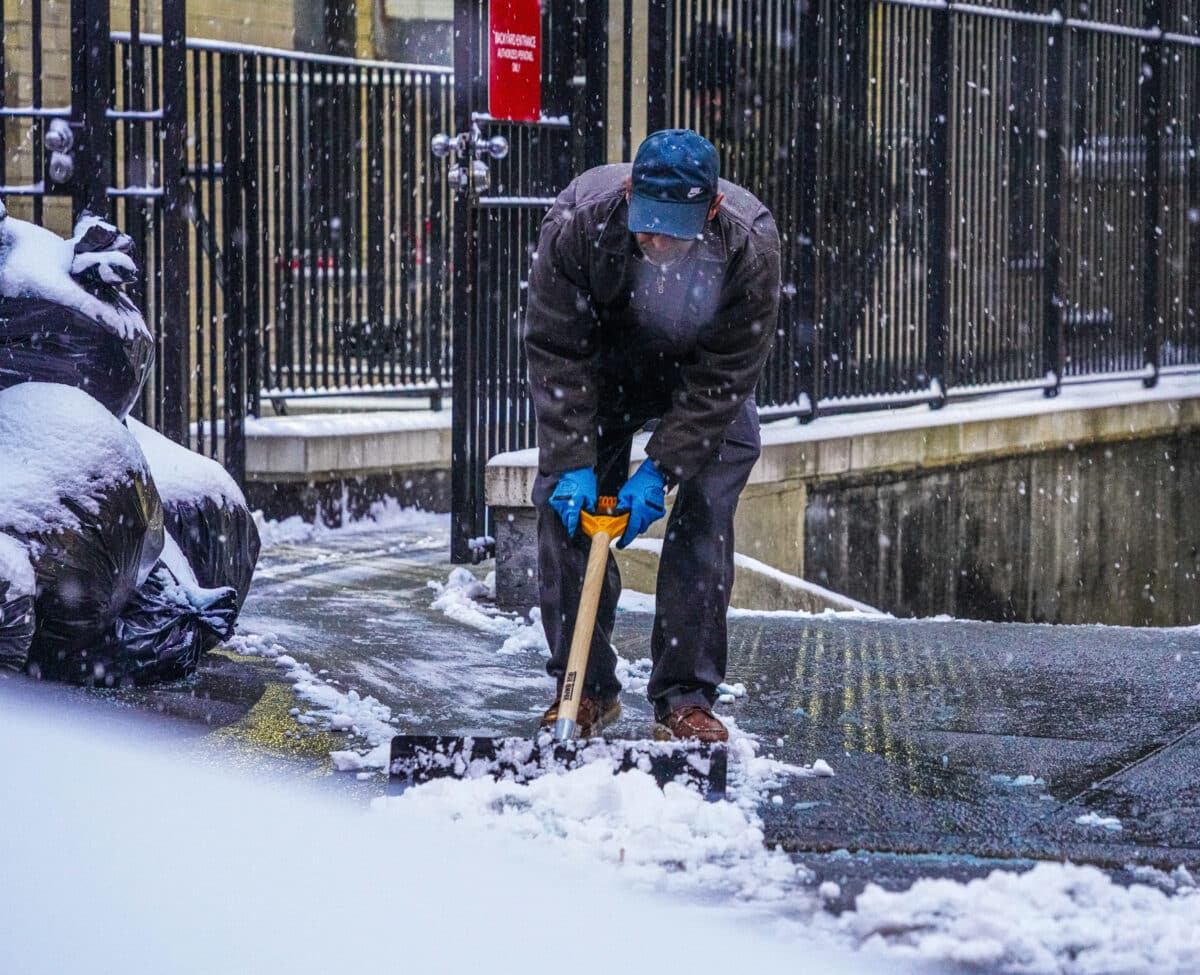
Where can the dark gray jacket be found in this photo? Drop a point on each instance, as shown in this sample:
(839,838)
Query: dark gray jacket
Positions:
(608,335)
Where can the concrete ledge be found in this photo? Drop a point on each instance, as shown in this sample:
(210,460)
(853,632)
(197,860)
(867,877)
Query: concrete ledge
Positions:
(916,437)
(306,448)
(326,467)
(838,454)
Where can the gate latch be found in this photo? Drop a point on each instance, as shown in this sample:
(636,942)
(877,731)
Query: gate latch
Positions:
(59,139)
(470,175)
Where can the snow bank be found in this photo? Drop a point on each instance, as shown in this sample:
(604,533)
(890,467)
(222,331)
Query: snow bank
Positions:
(37,263)
(1056,919)
(231,874)
(59,443)
(385,514)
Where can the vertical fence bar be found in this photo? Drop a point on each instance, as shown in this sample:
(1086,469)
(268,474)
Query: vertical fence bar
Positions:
(1151,99)
(658,71)
(233,168)
(805,243)
(254,236)
(1052,305)
(937,210)
(176,270)
(464,501)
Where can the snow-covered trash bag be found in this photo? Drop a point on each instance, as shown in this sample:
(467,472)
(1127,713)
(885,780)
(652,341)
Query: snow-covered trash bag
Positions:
(167,625)
(17,588)
(77,494)
(205,512)
(63,315)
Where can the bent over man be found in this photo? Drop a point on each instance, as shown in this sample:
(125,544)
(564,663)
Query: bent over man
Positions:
(653,297)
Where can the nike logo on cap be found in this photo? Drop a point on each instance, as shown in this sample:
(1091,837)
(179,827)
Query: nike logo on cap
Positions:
(695,191)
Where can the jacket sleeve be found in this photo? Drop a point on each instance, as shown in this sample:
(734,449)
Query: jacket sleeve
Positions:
(730,356)
(560,344)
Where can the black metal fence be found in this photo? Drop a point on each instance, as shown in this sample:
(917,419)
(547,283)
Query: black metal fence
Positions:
(970,194)
(318,228)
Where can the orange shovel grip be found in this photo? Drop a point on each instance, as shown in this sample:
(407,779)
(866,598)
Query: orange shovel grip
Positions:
(606,519)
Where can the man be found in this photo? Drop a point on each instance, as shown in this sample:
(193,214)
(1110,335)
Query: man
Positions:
(653,296)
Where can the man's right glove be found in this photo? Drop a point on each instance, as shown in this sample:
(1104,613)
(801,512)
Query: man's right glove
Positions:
(644,495)
(575,492)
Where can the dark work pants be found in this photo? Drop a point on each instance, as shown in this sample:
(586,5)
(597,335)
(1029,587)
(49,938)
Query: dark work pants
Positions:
(689,644)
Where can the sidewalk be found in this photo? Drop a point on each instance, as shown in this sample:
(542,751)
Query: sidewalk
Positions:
(950,741)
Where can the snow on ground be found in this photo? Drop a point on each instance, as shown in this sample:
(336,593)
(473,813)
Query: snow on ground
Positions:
(1056,919)
(143,860)
(330,707)
(387,514)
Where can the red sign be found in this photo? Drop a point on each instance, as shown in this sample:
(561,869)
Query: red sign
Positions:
(515,60)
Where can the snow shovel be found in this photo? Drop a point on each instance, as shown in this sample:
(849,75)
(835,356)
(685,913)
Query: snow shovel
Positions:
(701,765)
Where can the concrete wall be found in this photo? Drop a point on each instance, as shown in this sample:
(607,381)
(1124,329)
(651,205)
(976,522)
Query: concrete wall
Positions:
(1101,534)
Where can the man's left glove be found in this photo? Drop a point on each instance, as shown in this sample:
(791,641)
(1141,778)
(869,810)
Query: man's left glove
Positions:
(644,495)
(575,492)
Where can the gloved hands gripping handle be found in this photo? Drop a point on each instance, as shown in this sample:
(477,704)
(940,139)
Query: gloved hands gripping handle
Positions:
(575,492)
(644,496)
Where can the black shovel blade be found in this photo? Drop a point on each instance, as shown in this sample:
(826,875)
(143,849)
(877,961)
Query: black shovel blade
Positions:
(421,758)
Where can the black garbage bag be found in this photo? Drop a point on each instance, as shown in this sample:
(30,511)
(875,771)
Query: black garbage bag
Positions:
(64,317)
(166,626)
(204,511)
(77,493)
(17,586)
(42,341)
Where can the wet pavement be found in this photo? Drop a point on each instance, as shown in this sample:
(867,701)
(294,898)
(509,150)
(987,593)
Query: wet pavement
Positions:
(958,747)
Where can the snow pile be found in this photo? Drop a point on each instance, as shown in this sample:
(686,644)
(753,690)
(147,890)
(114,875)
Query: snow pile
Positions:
(181,474)
(59,443)
(331,708)
(37,263)
(385,514)
(307,885)
(1110,823)
(1056,919)
(470,601)
(668,838)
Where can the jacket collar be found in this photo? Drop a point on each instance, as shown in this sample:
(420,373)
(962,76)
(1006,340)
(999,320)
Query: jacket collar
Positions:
(615,237)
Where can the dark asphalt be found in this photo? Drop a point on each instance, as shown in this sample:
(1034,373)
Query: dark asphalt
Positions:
(926,724)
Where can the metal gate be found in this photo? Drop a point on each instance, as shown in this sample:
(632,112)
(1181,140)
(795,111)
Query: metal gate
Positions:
(505,176)
(106,132)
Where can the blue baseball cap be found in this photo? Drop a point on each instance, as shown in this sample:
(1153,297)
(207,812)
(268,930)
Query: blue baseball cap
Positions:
(675,177)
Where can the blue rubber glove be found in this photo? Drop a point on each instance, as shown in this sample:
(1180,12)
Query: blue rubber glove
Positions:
(575,492)
(644,496)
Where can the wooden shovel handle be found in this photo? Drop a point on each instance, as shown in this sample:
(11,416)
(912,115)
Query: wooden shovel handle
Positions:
(585,624)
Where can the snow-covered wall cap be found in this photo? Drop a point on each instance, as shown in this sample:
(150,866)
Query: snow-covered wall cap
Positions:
(15,568)
(181,475)
(57,442)
(36,263)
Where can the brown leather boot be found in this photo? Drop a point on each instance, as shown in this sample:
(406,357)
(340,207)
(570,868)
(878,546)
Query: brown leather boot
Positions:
(595,714)
(691,722)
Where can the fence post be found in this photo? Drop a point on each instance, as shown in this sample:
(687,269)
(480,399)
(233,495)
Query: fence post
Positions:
(233,255)
(1151,100)
(176,234)
(806,303)
(594,114)
(1053,353)
(658,67)
(255,237)
(91,93)
(937,213)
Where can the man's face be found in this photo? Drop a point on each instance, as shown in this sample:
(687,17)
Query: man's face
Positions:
(661,249)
